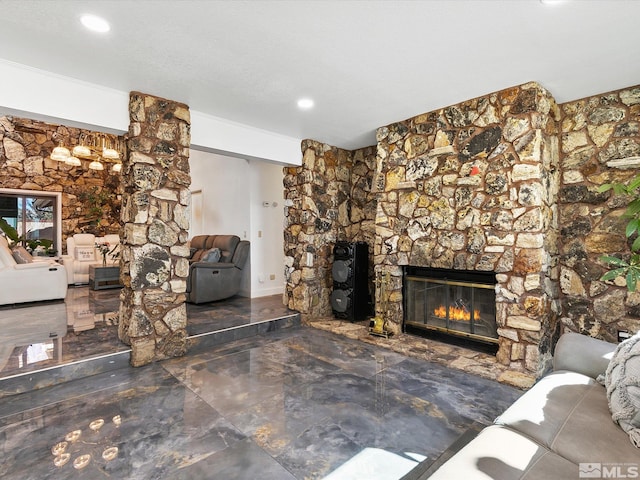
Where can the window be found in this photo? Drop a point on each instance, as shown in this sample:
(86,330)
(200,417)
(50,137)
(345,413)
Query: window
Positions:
(34,215)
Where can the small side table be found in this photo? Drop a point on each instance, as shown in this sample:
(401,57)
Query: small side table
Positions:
(101,278)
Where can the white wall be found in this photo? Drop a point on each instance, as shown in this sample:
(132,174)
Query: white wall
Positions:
(46,96)
(231,138)
(233,191)
(224,182)
(267,230)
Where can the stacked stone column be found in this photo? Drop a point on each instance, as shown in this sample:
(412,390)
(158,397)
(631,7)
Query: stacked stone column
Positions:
(317,212)
(474,187)
(328,198)
(155,214)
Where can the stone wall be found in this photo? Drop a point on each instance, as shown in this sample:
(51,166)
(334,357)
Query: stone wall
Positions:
(155,213)
(362,198)
(474,187)
(596,130)
(507,183)
(316,215)
(363,205)
(25,146)
(327,199)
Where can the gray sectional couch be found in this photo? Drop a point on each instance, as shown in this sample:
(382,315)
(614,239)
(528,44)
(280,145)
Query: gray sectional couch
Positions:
(218,277)
(560,429)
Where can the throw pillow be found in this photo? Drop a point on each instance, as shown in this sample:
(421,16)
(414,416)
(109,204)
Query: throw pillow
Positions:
(86,254)
(212,255)
(21,255)
(622,380)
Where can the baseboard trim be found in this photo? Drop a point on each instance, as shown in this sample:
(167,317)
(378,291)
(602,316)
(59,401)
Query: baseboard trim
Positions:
(267,292)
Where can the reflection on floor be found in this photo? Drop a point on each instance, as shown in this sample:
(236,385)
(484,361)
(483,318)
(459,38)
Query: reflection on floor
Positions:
(298,403)
(49,334)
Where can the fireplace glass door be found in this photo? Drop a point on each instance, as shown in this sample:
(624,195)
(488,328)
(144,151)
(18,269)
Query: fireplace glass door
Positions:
(454,307)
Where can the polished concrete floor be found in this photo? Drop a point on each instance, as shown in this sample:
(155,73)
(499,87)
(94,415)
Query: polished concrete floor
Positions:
(297,403)
(85,325)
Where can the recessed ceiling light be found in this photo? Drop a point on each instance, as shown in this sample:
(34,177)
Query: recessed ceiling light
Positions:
(95,23)
(551,2)
(305,103)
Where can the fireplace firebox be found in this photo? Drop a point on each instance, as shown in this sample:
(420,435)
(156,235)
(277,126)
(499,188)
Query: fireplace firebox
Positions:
(456,304)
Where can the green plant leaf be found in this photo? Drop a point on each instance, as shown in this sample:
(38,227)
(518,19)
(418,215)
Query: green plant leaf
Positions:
(632,280)
(9,231)
(611,274)
(633,184)
(633,208)
(632,227)
(630,270)
(615,261)
(619,189)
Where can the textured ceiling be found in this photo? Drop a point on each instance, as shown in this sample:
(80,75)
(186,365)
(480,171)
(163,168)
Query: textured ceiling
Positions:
(365,63)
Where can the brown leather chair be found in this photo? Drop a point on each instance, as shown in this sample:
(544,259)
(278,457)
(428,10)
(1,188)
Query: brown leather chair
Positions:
(216,267)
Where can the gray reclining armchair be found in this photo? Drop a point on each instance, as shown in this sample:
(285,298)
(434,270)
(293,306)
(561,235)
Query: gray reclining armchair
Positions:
(216,267)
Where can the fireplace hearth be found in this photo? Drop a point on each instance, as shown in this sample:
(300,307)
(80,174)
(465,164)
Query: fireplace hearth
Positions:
(452,305)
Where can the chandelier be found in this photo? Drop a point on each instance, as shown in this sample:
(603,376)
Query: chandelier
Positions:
(97,148)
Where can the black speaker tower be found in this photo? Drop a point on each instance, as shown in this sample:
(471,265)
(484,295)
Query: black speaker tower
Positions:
(350,296)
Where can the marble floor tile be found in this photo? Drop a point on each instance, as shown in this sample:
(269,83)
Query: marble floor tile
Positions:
(292,404)
(33,400)
(243,460)
(44,335)
(156,424)
(313,400)
(233,312)
(41,335)
(355,357)
(455,390)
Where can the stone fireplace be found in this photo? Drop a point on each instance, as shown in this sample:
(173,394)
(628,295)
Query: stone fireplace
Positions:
(474,187)
(469,187)
(507,184)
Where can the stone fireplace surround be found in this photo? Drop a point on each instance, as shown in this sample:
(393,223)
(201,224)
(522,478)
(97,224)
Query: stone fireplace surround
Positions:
(506,183)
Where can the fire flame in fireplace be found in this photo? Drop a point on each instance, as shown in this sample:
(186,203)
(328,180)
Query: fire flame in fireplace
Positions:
(456,313)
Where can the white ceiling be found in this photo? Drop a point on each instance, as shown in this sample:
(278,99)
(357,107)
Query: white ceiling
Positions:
(365,63)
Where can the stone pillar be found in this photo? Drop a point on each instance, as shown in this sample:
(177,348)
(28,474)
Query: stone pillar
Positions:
(317,214)
(155,215)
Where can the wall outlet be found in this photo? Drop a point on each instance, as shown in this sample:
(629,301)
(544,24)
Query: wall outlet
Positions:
(623,335)
(309,259)
(272,277)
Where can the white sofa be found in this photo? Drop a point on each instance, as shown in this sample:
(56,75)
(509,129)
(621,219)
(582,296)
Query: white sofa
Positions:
(561,428)
(82,253)
(41,279)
